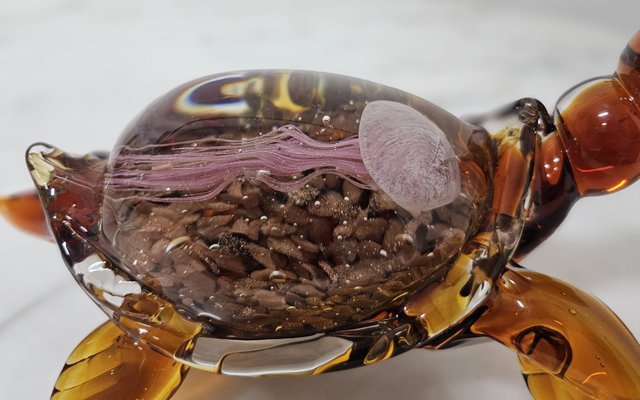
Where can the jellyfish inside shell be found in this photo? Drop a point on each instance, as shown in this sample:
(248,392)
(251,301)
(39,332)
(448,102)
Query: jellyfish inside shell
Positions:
(321,202)
(285,159)
(397,150)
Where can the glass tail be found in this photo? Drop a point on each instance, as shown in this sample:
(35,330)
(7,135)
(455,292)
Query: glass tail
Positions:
(24,211)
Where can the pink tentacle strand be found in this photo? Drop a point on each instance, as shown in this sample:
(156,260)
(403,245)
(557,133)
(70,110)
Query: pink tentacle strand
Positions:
(284,159)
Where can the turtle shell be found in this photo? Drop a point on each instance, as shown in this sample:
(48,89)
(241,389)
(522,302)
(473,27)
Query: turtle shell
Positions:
(284,203)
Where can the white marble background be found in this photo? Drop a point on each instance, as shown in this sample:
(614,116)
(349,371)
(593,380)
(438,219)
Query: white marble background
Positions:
(73,73)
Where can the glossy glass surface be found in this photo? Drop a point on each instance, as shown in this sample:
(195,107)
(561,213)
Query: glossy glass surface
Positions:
(592,146)
(570,345)
(288,223)
(284,242)
(599,123)
(109,364)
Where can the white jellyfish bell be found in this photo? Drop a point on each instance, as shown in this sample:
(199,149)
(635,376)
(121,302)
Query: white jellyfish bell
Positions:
(408,156)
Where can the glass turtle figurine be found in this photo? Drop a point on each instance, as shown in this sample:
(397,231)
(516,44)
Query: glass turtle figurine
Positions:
(288,222)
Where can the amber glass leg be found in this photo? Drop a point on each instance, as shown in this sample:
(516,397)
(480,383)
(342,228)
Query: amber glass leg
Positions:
(109,365)
(570,345)
(25,212)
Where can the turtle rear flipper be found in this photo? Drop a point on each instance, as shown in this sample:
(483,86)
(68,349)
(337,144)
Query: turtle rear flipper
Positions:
(25,212)
(570,345)
(108,364)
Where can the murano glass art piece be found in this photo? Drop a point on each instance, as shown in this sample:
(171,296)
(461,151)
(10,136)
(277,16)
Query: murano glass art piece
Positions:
(287,223)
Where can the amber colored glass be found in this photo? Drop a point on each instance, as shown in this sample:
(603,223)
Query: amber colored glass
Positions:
(570,345)
(599,123)
(554,193)
(592,147)
(628,71)
(511,177)
(110,365)
(25,212)
(277,213)
(155,321)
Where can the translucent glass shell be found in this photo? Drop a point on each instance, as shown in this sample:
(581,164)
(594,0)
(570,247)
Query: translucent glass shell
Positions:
(248,202)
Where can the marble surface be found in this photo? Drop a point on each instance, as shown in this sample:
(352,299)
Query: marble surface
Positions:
(73,73)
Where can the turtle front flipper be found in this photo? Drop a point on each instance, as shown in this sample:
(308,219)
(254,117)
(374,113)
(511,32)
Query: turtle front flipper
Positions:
(108,364)
(570,345)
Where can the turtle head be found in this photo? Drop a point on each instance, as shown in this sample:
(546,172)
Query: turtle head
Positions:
(599,124)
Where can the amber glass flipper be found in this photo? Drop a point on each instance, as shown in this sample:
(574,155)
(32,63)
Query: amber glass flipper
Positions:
(570,345)
(25,212)
(110,365)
